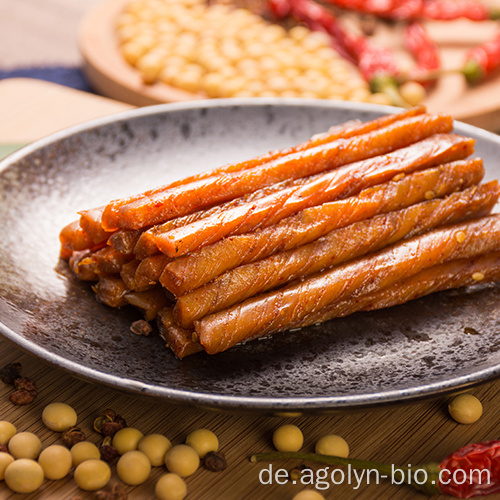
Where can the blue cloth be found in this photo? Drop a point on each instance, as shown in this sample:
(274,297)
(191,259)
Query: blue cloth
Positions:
(63,75)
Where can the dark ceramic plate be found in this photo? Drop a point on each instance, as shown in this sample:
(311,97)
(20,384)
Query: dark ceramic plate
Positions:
(400,354)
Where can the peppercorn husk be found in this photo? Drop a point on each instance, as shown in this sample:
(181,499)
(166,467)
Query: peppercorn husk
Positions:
(108,452)
(110,428)
(25,383)
(98,423)
(296,473)
(26,391)
(10,372)
(117,492)
(141,327)
(108,423)
(72,436)
(21,397)
(214,461)
(471,331)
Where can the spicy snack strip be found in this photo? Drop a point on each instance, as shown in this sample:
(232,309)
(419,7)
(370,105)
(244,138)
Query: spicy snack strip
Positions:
(146,243)
(198,268)
(175,202)
(90,227)
(339,182)
(182,342)
(455,274)
(334,248)
(149,270)
(111,216)
(265,245)
(364,275)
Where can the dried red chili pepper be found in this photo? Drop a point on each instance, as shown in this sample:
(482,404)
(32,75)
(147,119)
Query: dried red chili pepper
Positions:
(473,470)
(482,60)
(389,9)
(410,10)
(377,65)
(447,10)
(471,459)
(424,50)
(317,18)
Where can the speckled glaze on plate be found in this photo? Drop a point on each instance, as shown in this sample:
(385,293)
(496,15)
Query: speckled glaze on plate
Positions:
(400,354)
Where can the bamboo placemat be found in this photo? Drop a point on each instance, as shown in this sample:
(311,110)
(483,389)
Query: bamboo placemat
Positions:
(400,435)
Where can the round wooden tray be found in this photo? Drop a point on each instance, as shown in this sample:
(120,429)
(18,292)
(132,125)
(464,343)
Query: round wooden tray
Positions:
(111,76)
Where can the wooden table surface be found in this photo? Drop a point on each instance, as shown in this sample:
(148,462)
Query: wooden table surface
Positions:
(400,435)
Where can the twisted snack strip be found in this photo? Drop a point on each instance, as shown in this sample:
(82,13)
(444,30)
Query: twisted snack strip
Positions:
(278,310)
(184,199)
(111,217)
(336,247)
(455,274)
(187,273)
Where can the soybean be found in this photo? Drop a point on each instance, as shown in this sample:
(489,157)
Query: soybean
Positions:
(155,446)
(170,487)
(127,439)
(7,430)
(133,467)
(25,445)
(56,461)
(24,475)
(182,460)
(5,460)
(59,416)
(465,408)
(84,450)
(309,495)
(288,438)
(332,444)
(92,475)
(203,441)
(218,51)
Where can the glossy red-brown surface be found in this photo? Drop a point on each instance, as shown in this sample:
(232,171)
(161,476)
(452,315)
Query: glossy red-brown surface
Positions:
(274,311)
(334,248)
(194,270)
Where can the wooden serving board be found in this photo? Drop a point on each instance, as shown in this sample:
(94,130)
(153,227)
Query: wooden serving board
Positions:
(110,75)
(108,72)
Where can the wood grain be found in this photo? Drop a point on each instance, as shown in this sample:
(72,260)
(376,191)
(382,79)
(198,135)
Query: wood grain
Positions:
(478,105)
(400,435)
